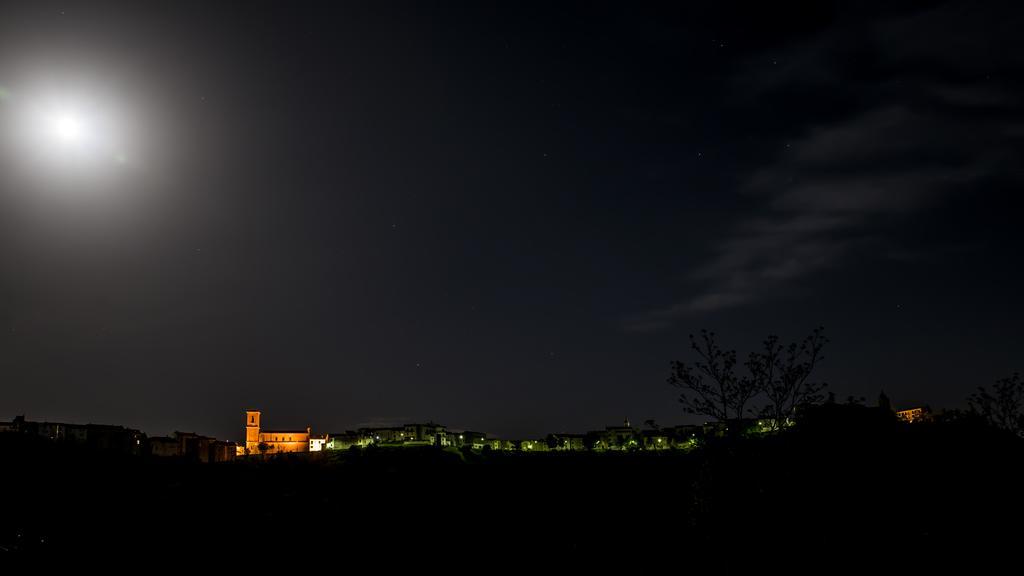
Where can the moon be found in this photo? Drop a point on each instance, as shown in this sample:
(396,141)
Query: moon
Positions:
(71,134)
(68,128)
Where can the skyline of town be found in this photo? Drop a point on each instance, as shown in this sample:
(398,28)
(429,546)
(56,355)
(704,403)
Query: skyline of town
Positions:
(258,441)
(223,429)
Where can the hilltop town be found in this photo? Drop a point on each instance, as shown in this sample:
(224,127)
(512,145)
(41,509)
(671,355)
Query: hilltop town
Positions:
(264,443)
(827,476)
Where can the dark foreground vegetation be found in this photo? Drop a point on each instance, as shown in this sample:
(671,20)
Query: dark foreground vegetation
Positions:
(847,481)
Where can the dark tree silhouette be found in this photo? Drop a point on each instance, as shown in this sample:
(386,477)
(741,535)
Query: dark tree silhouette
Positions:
(782,373)
(1004,406)
(710,385)
(552,441)
(884,403)
(263,447)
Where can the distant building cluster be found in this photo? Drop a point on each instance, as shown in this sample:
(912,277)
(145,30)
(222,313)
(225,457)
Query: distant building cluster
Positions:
(623,437)
(913,415)
(124,440)
(259,441)
(193,446)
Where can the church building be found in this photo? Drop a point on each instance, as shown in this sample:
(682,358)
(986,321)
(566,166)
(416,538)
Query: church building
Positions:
(274,441)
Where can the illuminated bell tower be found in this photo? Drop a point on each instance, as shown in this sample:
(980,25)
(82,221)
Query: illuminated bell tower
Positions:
(252,430)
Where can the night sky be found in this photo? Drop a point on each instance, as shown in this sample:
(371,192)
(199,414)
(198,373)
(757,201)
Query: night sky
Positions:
(504,217)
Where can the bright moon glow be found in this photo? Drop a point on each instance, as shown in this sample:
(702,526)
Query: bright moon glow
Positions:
(68,128)
(69,138)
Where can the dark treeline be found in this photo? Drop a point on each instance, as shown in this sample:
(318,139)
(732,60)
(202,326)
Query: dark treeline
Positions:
(846,480)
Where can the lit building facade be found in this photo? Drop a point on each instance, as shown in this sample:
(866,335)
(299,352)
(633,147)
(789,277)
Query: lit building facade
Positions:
(317,443)
(272,441)
(911,415)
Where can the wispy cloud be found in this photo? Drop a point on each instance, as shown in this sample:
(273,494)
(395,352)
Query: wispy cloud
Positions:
(907,147)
